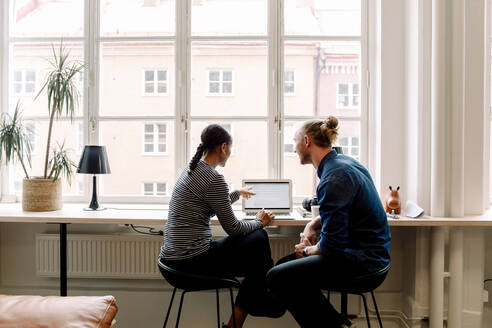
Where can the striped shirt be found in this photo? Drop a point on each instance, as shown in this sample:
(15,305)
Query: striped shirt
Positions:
(196,198)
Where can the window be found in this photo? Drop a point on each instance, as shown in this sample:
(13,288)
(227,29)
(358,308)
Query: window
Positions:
(80,138)
(350,146)
(31,134)
(155,139)
(348,95)
(289,144)
(154,189)
(155,82)
(24,82)
(153,90)
(289,83)
(220,82)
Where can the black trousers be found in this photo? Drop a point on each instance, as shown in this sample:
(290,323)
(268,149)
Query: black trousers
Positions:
(299,283)
(247,256)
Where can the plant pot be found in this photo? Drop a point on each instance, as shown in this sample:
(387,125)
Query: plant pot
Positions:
(39,195)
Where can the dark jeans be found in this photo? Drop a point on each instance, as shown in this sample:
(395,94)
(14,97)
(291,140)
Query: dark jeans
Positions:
(298,283)
(246,256)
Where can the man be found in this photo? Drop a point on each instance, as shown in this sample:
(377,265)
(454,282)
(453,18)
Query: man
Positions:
(354,233)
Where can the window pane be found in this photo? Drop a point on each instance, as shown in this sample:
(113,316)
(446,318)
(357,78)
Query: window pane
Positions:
(17,76)
(33,58)
(214,75)
(348,137)
(138,17)
(246,95)
(355,88)
(227,87)
(161,128)
(121,78)
(161,189)
(214,87)
(322,100)
(63,132)
(47,18)
(227,76)
(161,88)
(149,76)
(162,148)
(149,128)
(149,87)
(229,17)
(149,187)
(123,141)
(162,75)
(30,76)
(335,17)
(246,146)
(289,76)
(149,148)
(289,88)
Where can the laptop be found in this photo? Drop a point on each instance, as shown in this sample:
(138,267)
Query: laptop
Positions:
(271,194)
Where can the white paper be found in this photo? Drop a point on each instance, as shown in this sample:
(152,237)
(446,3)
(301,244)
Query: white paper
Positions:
(412,210)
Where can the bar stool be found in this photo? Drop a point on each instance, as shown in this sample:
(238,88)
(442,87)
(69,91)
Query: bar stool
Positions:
(359,285)
(188,282)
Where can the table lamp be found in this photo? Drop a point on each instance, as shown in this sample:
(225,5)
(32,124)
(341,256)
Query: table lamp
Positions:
(94,161)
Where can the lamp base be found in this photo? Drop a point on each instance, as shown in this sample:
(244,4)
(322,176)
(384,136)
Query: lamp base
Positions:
(95,209)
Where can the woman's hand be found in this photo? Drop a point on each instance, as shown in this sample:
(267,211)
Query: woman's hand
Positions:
(246,193)
(265,216)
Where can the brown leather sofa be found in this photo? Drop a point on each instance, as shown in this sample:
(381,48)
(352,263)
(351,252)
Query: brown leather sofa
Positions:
(57,312)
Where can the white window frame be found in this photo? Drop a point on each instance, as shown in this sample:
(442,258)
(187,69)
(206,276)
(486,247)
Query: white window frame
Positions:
(155,134)
(154,189)
(181,119)
(23,82)
(221,82)
(79,147)
(156,82)
(293,82)
(350,95)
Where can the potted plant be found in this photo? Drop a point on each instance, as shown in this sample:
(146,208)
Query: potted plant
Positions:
(44,193)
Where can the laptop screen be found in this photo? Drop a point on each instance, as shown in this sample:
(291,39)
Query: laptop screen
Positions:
(269,195)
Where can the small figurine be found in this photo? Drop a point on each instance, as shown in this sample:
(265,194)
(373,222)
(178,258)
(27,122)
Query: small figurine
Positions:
(393,204)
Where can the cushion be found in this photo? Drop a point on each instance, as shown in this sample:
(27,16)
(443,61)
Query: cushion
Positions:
(56,311)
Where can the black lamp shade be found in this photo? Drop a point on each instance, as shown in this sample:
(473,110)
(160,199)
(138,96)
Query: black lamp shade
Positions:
(94,160)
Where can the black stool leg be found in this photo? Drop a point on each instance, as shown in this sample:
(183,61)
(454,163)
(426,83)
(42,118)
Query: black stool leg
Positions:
(218,308)
(343,305)
(377,310)
(232,306)
(180,306)
(169,308)
(367,312)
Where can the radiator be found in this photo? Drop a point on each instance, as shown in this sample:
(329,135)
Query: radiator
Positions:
(115,256)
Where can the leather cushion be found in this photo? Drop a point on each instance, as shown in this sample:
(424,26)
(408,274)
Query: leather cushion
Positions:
(56,311)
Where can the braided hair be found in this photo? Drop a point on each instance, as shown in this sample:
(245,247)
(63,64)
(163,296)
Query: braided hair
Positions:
(212,136)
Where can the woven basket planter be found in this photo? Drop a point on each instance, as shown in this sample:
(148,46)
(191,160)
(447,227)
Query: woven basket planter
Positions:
(39,195)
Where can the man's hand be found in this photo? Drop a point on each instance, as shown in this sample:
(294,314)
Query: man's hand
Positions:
(302,245)
(309,233)
(246,193)
(265,216)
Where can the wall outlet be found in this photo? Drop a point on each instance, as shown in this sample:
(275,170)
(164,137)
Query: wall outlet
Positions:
(8,198)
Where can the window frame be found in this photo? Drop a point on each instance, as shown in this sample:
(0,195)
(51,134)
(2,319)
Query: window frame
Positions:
(180,84)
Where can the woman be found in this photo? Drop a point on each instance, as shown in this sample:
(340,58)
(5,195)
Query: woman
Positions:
(354,233)
(200,193)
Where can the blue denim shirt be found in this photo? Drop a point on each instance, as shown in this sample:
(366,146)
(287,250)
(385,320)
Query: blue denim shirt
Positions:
(353,221)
